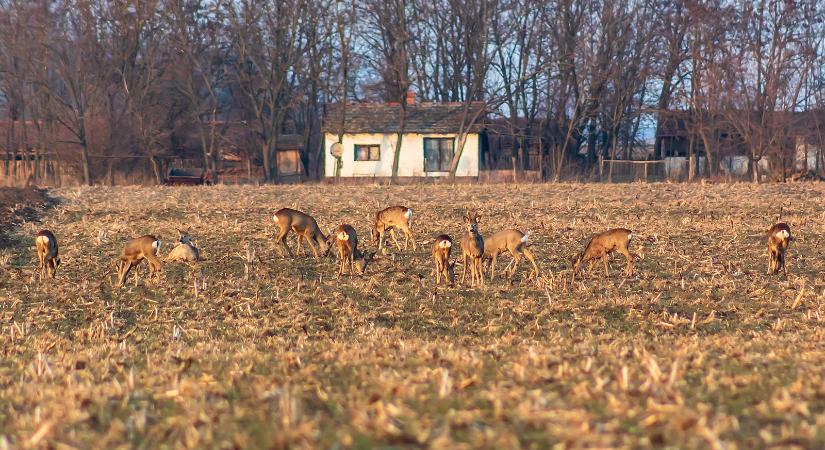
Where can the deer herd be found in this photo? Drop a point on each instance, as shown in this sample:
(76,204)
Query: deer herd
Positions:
(475,248)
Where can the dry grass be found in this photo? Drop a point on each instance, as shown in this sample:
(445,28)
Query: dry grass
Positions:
(698,349)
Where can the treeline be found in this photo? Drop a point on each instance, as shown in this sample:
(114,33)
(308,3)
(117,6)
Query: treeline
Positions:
(114,84)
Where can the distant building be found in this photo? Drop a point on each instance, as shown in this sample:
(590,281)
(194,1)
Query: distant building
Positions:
(429,142)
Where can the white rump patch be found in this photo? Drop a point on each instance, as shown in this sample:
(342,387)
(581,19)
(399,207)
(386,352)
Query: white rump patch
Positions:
(43,239)
(525,237)
(408,214)
(445,244)
(343,236)
(783,234)
(629,236)
(156,244)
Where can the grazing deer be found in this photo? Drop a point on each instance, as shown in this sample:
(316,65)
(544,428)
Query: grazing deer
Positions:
(348,253)
(140,248)
(601,246)
(472,249)
(185,251)
(513,241)
(392,218)
(442,247)
(305,227)
(779,236)
(46,245)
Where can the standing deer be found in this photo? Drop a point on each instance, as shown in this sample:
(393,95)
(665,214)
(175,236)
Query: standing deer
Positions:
(140,248)
(393,218)
(513,241)
(779,237)
(472,249)
(442,247)
(348,252)
(185,251)
(601,246)
(46,245)
(305,227)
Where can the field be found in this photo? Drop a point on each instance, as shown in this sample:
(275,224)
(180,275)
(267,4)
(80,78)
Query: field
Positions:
(698,349)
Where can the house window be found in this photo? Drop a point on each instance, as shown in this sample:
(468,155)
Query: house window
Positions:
(438,154)
(367,152)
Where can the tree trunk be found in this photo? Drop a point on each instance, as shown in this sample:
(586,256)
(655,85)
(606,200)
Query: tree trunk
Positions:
(87,175)
(156,170)
(399,138)
(754,169)
(265,157)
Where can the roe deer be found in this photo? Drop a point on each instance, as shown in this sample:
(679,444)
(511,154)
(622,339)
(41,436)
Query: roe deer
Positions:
(348,253)
(140,248)
(601,246)
(472,249)
(513,241)
(46,245)
(305,227)
(392,218)
(442,247)
(779,236)
(185,251)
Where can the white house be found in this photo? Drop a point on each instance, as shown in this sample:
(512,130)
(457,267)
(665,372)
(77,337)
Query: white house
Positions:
(429,142)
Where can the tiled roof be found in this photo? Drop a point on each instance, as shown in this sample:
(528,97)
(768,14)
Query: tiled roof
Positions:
(384,118)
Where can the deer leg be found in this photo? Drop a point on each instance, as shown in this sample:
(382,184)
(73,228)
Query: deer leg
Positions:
(123,271)
(154,266)
(52,268)
(529,255)
(493,266)
(312,247)
(464,272)
(300,250)
(393,233)
(516,260)
(629,257)
(42,266)
(437,273)
(409,234)
(480,270)
(281,239)
(782,263)
(606,270)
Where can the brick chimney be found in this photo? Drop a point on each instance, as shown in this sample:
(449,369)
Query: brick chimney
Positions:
(410,97)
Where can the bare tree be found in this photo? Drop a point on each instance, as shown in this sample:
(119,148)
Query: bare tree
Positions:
(265,50)
(197,37)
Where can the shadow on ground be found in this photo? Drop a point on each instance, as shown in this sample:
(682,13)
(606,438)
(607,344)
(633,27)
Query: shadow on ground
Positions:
(18,205)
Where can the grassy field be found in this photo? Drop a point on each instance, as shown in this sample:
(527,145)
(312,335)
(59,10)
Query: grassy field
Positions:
(698,349)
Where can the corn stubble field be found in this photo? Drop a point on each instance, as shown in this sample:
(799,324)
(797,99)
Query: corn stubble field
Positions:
(698,349)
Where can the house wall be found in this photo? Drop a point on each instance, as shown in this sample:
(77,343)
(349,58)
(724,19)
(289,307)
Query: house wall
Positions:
(411,159)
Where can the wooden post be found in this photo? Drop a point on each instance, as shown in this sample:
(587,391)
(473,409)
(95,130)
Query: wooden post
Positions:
(645,164)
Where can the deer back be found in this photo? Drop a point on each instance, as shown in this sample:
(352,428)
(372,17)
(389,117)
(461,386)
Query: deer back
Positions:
(139,247)
(442,247)
(46,242)
(504,240)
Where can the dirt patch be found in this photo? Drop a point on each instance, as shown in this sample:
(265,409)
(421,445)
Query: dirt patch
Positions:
(18,205)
